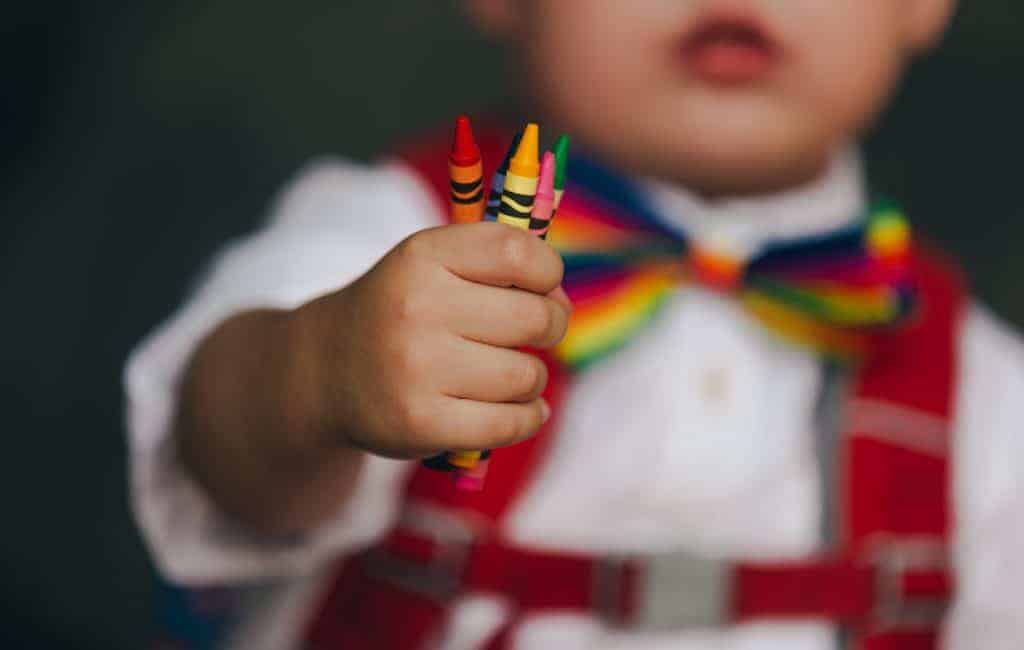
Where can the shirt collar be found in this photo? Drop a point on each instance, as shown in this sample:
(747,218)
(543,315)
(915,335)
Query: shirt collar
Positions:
(740,228)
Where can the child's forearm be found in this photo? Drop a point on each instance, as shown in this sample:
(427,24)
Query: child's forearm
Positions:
(246,426)
(416,356)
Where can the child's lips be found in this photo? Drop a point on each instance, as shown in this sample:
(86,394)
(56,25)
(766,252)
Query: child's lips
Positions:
(730,50)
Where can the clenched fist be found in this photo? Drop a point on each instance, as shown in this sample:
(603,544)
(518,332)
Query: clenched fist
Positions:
(420,354)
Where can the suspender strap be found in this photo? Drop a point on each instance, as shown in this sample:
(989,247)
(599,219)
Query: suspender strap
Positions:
(851,594)
(896,498)
(414,579)
(890,580)
(535,580)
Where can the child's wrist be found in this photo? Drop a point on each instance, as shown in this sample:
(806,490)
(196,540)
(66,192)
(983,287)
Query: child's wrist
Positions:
(301,392)
(313,416)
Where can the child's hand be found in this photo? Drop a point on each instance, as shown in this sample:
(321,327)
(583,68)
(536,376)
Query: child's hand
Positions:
(419,355)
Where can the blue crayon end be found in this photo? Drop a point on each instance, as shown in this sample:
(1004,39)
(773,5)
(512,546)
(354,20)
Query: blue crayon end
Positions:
(494,198)
(498,182)
(439,463)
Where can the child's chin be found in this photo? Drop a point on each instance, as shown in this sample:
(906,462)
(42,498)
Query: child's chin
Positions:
(740,165)
(762,150)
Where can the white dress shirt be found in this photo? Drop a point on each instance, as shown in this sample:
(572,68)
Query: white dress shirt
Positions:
(698,435)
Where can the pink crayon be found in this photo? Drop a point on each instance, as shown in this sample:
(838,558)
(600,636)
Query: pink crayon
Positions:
(472,479)
(544,203)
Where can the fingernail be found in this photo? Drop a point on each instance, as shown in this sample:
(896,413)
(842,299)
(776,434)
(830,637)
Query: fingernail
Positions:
(545,410)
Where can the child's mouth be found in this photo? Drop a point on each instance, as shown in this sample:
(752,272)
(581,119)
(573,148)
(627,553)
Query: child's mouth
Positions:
(729,50)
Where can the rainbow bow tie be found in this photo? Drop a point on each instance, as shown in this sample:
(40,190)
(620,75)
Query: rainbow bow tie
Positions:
(831,293)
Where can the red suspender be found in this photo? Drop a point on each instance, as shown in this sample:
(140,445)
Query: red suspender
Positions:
(891,580)
(897,505)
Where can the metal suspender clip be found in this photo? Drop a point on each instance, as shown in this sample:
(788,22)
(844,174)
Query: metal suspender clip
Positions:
(609,589)
(894,562)
(440,578)
(667,591)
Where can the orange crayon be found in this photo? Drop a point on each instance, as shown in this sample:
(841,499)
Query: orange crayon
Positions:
(466,179)
(466,175)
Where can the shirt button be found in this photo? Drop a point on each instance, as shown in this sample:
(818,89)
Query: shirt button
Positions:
(715,386)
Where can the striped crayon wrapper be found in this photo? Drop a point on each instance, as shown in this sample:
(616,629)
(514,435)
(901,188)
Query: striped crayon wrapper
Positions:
(494,199)
(544,204)
(516,207)
(521,182)
(517,201)
(498,181)
(464,459)
(465,175)
(467,193)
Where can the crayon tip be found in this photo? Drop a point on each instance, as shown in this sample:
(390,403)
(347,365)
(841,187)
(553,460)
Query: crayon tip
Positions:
(546,186)
(527,157)
(561,150)
(464,148)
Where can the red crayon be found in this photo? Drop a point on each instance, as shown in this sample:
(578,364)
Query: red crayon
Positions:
(466,175)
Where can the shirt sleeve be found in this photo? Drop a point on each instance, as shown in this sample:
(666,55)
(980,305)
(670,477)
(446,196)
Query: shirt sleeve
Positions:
(328,227)
(989,488)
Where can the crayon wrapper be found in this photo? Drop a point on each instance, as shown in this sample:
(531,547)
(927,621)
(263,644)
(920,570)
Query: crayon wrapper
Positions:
(494,200)
(468,174)
(523,187)
(543,208)
(467,203)
(464,459)
(515,222)
(558,197)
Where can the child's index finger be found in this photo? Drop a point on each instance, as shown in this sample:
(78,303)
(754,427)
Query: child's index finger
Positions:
(498,255)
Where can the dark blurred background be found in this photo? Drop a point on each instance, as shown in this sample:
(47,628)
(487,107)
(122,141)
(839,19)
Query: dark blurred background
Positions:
(137,137)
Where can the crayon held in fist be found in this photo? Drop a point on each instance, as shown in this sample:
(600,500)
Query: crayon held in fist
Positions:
(498,182)
(544,204)
(561,151)
(466,175)
(525,194)
(521,181)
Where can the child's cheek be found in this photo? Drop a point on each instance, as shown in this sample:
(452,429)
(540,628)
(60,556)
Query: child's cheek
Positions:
(597,59)
(847,57)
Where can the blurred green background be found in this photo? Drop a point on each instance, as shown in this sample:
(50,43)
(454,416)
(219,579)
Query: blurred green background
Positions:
(137,137)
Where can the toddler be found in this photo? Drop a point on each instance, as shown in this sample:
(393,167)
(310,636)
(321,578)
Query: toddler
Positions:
(732,465)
